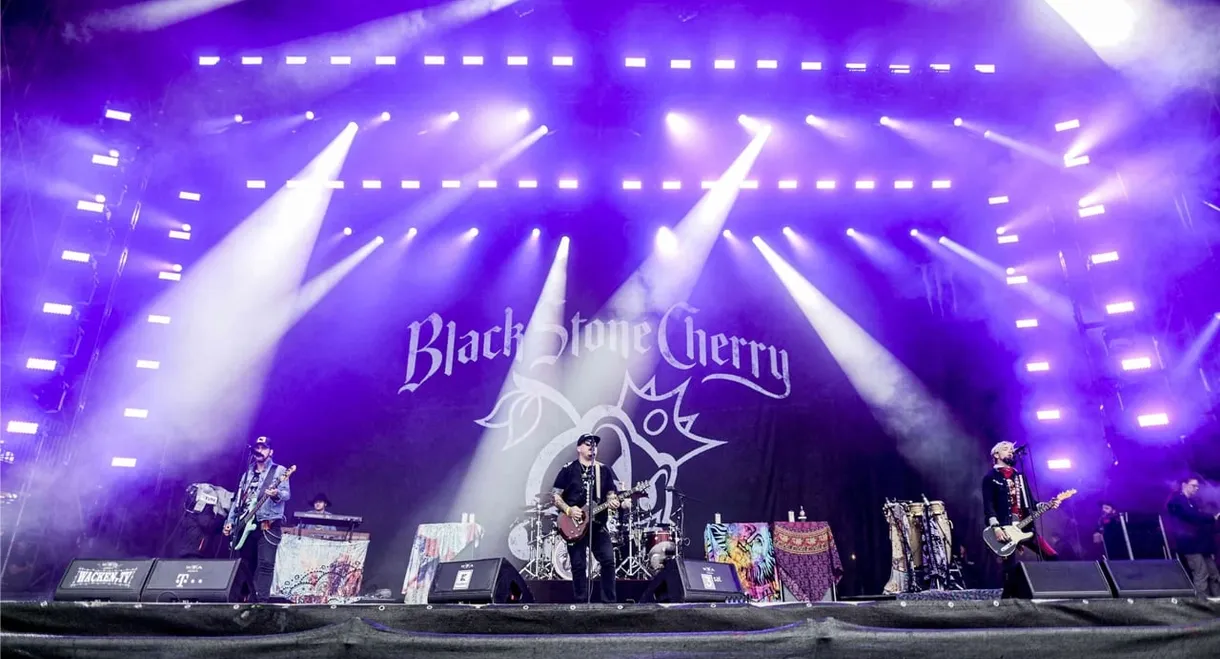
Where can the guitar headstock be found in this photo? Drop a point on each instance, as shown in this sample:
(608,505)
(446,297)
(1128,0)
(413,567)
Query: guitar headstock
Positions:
(1065,495)
(288,472)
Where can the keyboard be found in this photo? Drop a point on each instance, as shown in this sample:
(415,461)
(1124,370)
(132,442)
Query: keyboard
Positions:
(328,520)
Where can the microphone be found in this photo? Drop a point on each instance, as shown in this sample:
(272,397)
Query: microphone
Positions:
(1020,448)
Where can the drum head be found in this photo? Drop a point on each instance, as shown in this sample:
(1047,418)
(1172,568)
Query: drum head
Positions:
(563,567)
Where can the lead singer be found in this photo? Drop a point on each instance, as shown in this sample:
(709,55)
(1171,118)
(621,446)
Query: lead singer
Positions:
(573,483)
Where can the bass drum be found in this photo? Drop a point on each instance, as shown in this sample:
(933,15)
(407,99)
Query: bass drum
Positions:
(661,546)
(561,565)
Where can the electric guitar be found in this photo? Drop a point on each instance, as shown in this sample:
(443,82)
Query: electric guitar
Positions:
(1016,532)
(572,530)
(247,523)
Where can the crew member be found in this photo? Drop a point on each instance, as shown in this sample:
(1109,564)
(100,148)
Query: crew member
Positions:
(1109,515)
(1006,500)
(1194,535)
(258,552)
(574,484)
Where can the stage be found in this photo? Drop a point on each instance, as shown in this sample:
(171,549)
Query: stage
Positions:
(1109,628)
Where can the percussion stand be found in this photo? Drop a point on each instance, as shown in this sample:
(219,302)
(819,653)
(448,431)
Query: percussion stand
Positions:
(533,529)
(633,566)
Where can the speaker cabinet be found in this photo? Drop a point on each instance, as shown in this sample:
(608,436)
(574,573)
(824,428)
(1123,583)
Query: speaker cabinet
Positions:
(683,580)
(1059,580)
(90,579)
(1148,578)
(192,580)
(482,581)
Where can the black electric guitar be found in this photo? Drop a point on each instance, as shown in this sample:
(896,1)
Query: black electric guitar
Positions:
(1016,532)
(572,530)
(247,523)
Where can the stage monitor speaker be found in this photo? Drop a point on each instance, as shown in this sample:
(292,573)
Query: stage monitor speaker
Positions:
(1148,578)
(1059,580)
(683,580)
(91,579)
(192,580)
(481,581)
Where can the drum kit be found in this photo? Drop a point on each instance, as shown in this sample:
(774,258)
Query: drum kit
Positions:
(641,548)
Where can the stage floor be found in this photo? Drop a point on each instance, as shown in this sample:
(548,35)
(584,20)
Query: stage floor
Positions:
(1076,629)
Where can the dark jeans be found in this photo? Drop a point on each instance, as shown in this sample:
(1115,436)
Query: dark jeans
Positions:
(603,551)
(1203,574)
(258,560)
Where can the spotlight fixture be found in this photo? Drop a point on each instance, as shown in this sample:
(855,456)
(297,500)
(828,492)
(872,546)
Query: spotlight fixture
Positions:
(238,118)
(957,121)
(851,231)
(914,232)
(385,116)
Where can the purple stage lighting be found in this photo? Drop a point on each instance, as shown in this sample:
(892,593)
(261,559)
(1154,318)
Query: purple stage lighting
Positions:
(914,232)
(726,233)
(411,232)
(957,121)
(472,232)
(851,231)
(1010,271)
(1136,364)
(123,462)
(177,267)
(789,232)
(635,62)
(667,242)
(522,115)
(22,427)
(453,116)
(535,233)
(347,231)
(434,60)
(1153,420)
(1048,415)
(309,115)
(885,121)
(1027,323)
(942,240)
(679,124)
(385,116)
(1126,306)
(238,118)
(1059,464)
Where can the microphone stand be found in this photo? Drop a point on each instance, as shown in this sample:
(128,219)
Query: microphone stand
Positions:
(589,545)
(1030,482)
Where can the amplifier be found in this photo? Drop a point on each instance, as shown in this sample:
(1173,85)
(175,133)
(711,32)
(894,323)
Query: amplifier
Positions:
(191,580)
(89,579)
(479,581)
(684,580)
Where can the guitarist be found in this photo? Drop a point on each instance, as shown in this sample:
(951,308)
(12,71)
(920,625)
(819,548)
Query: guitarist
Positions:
(1006,499)
(258,554)
(570,492)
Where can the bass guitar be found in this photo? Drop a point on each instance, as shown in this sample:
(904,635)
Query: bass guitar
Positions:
(247,523)
(572,530)
(1016,532)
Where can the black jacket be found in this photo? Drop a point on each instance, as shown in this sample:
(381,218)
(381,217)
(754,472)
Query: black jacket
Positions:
(995,498)
(1194,532)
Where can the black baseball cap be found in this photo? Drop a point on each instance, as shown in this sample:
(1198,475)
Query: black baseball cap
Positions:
(261,441)
(588,439)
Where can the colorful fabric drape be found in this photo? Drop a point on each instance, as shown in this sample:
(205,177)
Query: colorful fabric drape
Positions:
(433,544)
(807,558)
(748,547)
(318,571)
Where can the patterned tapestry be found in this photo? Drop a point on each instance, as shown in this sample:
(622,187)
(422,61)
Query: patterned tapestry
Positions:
(318,571)
(433,544)
(807,559)
(748,547)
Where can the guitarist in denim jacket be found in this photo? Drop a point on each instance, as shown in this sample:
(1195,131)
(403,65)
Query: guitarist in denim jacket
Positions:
(258,553)
(1006,499)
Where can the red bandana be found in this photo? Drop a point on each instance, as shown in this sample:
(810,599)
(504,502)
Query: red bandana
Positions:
(1014,493)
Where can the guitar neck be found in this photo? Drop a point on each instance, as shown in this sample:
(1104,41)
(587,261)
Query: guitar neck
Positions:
(1042,508)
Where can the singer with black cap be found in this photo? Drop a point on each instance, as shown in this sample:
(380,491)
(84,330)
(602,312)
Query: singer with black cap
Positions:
(575,483)
(1007,499)
(258,557)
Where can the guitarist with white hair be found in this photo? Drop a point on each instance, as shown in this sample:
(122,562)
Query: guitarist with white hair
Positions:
(265,485)
(1006,500)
